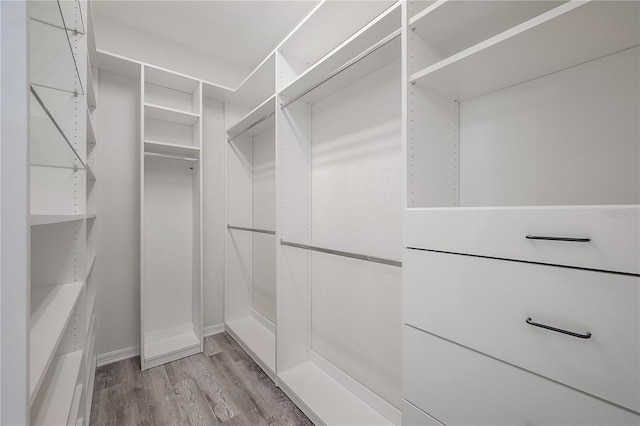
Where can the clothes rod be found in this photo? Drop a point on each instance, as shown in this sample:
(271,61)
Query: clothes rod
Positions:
(344,253)
(266,117)
(261,231)
(349,64)
(169,157)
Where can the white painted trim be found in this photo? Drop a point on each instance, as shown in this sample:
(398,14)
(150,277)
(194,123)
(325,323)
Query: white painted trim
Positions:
(118,355)
(263,320)
(213,329)
(391,413)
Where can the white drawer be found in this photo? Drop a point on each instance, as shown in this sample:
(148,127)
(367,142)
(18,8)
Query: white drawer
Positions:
(614,233)
(413,416)
(483,304)
(459,386)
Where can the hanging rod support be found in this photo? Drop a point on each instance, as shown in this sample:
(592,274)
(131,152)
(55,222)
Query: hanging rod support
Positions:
(266,117)
(260,231)
(169,157)
(344,254)
(349,64)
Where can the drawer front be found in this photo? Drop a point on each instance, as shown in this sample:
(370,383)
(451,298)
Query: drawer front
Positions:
(463,387)
(483,304)
(614,233)
(413,416)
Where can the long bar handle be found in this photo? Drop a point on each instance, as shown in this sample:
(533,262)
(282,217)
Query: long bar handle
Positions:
(568,239)
(558,330)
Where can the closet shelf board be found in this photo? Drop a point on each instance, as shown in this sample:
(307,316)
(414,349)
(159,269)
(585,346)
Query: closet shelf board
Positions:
(54,408)
(169,79)
(46,219)
(451,26)
(90,308)
(171,115)
(170,345)
(90,174)
(535,48)
(91,215)
(75,405)
(171,148)
(257,340)
(258,86)
(91,264)
(91,90)
(265,108)
(51,309)
(325,400)
(384,25)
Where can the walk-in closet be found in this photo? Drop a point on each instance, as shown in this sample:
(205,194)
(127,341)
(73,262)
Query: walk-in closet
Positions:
(320,212)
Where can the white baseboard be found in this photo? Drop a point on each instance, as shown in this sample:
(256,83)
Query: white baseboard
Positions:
(213,329)
(119,355)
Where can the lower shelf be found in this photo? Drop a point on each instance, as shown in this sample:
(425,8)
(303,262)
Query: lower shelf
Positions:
(257,340)
(324,400)
(170,348)
(53,404)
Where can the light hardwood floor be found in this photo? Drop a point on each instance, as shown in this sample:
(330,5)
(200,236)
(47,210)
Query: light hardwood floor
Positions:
(223,385)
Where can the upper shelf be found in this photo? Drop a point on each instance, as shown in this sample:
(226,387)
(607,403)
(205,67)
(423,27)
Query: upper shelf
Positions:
(171,149)
(169,79)
(51,59)
(375,45)
(172,115)
(328,25)
(65,14)
(92,102)
(49,145)
(568,35)
(258,86)
(257,121)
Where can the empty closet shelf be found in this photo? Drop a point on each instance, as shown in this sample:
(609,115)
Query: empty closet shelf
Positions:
(256,121)
(344,253)
(170,157)
(170,345)
(54,406)
(260,231)
(171,115)
(45,219)
(256,339)
(51,309)
(171,149)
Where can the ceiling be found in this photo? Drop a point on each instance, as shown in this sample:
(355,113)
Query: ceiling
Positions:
(239,32)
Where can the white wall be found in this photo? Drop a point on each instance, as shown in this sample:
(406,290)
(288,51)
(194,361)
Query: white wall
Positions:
(125,40)
(118,213)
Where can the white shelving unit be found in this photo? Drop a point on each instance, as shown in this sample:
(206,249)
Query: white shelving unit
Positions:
(250,284)
(171,217)
(63,169)
(510,184)
(324,205)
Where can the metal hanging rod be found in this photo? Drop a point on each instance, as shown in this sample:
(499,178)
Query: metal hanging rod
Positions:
(266,117)
(169,157)
(260,231)
(344,254)
(349,64)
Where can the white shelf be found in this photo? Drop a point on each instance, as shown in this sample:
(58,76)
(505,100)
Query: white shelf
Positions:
(90,174)
(46,219)
(383,26)
(325,400)
(51,309)
(258,86)
(91,90)
(244,125)
(257,340)
(170,345)
(91,216)
(171,115)
(90,268)
(54,407)
(171,149)
(449,27)
(568,35)
(91,133)
(169,79)
(90,307)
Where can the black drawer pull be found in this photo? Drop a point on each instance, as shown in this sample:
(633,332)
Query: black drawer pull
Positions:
(569,239)
(559,330)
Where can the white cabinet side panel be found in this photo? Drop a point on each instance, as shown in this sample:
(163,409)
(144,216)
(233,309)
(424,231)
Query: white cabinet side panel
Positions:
(212,163)
(168,239)
(264,197)
(357,207)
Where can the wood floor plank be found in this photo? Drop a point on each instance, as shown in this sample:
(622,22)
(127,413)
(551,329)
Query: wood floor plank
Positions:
(221,386)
